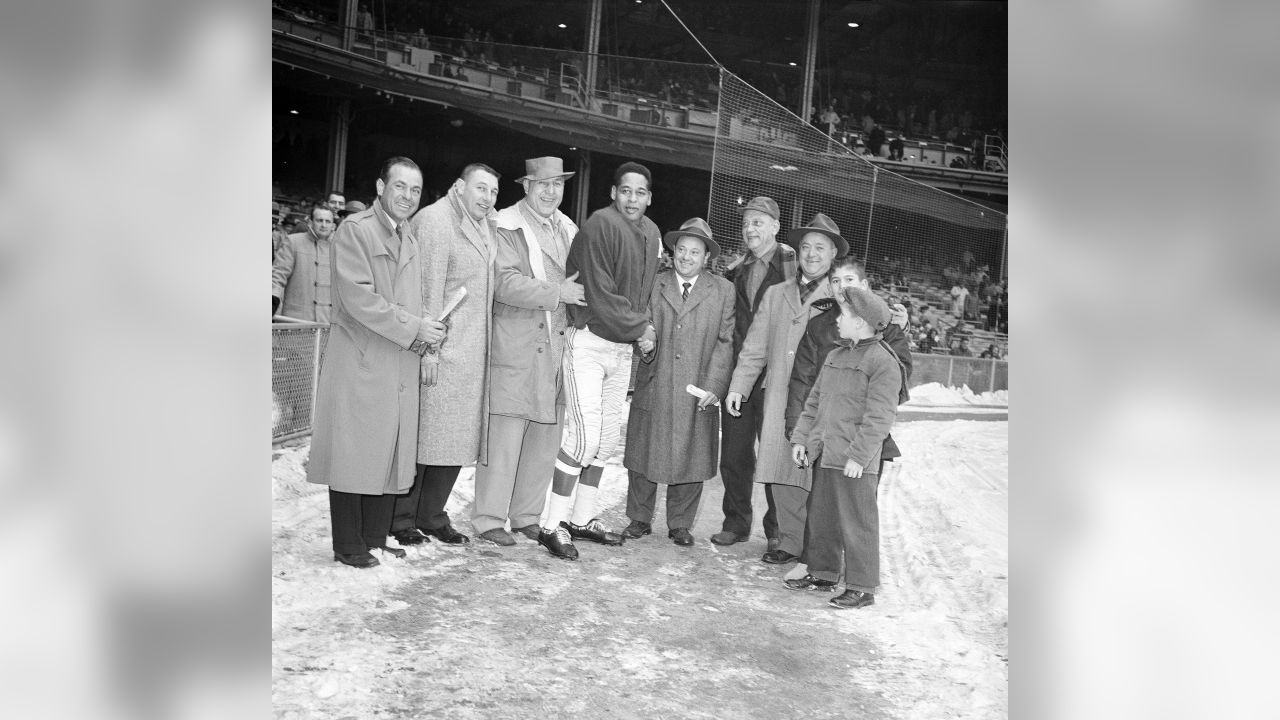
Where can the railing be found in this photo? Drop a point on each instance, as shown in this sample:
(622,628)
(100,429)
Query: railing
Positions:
(980,374)
(654,92)
(296,350)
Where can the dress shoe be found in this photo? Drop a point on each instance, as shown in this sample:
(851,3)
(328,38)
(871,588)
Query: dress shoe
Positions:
(360,560)
(498,536)
(773,544)
(593,531)
(529,531)
(410,537)
(637,529)
(446,534)
(852,599)
(559,543)
(778,557)
(727,538)
(398,552)
(681,536)
(809,582)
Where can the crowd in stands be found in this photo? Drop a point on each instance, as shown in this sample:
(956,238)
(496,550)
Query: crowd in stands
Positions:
(970,319)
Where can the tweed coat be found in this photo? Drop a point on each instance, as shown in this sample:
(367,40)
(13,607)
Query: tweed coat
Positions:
(528,323)
(454,416)
(669,440)
(365,429)
(770,348)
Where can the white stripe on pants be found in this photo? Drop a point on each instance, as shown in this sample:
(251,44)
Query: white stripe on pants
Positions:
(596,375)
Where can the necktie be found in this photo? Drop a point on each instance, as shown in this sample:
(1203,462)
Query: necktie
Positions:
(684,294)
(807,288)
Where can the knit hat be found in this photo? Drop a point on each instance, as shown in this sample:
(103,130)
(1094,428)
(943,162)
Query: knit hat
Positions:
(868,306)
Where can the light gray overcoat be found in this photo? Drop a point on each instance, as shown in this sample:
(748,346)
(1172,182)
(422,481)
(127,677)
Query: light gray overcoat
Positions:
(528,322)
(770,348)
(365,430)
(455,413)
(669,439)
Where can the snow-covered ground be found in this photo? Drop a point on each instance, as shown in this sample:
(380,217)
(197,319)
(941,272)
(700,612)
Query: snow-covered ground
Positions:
(930,394)
(651,629)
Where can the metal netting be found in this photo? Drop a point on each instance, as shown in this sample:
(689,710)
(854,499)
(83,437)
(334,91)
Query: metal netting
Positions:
(295,361)
(913,238)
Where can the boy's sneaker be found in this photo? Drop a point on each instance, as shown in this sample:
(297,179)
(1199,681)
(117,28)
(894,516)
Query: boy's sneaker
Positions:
(852,599)
(809,582)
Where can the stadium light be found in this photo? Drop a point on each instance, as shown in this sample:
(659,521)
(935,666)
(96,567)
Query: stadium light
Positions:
(792,64)
(853,24)
(293,112)
(562,26)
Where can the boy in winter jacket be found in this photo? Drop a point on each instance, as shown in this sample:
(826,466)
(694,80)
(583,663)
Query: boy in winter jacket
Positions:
(842,430)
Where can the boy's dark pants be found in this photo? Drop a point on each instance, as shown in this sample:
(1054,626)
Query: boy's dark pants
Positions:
(682,501)
(844,524)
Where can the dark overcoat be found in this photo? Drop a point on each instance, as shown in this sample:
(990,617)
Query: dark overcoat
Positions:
(669,440)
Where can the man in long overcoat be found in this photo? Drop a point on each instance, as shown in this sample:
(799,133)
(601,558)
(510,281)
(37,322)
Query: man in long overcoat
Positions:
(770,349)
(458,252)
(765,264)
(673,436)
(365,432)
(526,389)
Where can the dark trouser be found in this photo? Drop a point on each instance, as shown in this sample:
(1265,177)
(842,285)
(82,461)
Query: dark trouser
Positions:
(423,506)
(359,521)
(682,501)
(844,528)
(738,437)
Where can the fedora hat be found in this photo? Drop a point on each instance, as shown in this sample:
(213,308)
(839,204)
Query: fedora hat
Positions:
(761,203)
(819,224)
(693,227)
(544,168)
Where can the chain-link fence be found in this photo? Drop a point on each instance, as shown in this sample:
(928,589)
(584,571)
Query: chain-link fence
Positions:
(980,374)
(296,349)
(917,241)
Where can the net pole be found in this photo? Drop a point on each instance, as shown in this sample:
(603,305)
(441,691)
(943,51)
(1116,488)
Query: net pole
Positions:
(871,213)
(1004,256)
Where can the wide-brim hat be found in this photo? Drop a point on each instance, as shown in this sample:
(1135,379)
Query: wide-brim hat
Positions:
(693,227)
(764,204)
(819,224)
(544,168)
(354,206)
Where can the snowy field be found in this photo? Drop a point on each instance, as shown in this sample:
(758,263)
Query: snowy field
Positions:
(651,629)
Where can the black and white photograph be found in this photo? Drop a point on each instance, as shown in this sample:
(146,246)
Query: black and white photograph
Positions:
(639,358)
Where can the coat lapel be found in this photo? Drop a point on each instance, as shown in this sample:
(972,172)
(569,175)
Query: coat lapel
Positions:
(408,251)
(697,294)
(468,228)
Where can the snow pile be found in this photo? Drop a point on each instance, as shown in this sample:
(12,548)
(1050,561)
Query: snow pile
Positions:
(935,394)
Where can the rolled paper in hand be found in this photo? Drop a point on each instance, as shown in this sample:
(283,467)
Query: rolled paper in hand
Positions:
(699,393)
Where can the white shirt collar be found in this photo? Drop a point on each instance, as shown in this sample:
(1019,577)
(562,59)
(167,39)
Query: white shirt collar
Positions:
(692,281)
